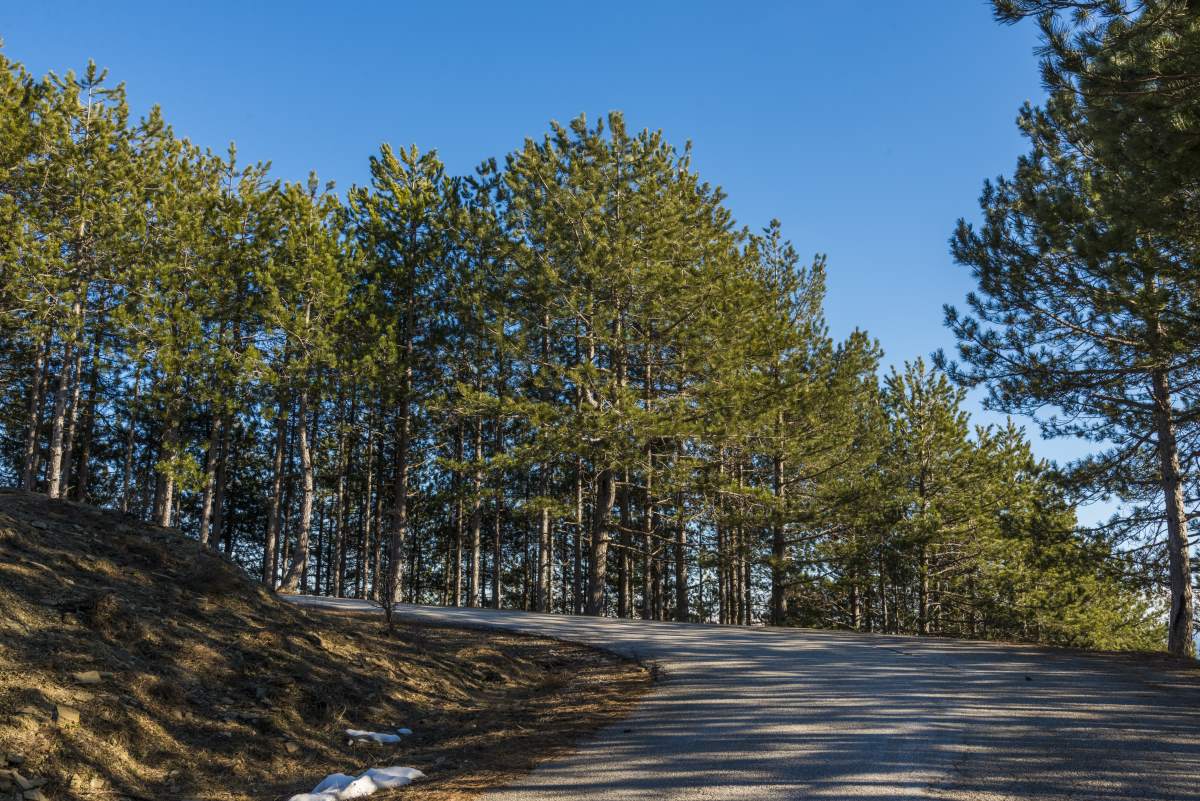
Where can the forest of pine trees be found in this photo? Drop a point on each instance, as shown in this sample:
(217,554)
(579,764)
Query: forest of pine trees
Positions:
(568,382)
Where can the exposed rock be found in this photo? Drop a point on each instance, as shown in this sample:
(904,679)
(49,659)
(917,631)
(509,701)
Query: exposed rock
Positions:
(66,715)
(88,677)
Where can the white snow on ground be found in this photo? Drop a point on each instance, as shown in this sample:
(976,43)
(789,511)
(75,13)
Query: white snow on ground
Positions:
(387,778)
(342,787)
(377,736)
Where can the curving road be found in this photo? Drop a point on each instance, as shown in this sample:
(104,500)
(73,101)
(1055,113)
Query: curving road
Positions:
(764,714)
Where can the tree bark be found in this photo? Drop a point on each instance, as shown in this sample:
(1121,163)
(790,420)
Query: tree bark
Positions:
(545,566)
(403,434)
(625,561)
(33,424)
(474,591)
(459,522)
(377,546)
(923,591)
(220,531)
(54,477)
(497,546)
(647,540)
(606,495)
(130,423)
(682,612)
(342,499)
(72,423)
(164,499)
(291,580)
(84,468)
(210,476)
(779,609)
(275,512)
(367,511)
(1179,626)
(577,555)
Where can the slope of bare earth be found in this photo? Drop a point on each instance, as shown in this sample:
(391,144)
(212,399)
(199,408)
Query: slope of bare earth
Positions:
(134,665)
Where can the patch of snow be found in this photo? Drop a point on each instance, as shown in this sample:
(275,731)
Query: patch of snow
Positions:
(387,778)
(403,731)
(379,737)
(361,787)
(334,782)
(342,787)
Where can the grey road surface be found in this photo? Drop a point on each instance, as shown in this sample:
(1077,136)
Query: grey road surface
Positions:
(764,714)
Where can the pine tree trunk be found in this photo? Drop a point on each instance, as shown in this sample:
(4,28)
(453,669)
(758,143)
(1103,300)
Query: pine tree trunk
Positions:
(525,578)
(299,563)
(377,546)
(33,421)
(497,549)
(210,476)
(1179,626)
(647,537)
(883,599)
(577,567)
(648,495)
(68,457)
(368,509)
(779,609)
(474,592)
(545,575)
(564,582)
(723,575)
(682,612)
(165,491)
(606,495)
(341,500)
(459,522)
(275,511)
(54,477)
(221,532)
(624,564)
(416,562)
(923,591)
(84,469)
(131,425)
(321,565)
(403,433)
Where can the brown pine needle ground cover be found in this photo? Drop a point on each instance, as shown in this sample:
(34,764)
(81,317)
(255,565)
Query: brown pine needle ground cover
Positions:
(191,682)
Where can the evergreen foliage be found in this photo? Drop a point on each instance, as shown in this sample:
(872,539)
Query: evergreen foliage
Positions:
(1086,310)
(567,382)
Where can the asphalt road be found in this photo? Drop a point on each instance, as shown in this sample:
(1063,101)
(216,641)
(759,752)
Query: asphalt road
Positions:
(768,714)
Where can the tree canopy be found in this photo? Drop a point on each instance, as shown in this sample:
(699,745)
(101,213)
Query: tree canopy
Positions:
(569,381)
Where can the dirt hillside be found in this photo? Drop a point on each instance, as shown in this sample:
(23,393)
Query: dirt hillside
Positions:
(134,665)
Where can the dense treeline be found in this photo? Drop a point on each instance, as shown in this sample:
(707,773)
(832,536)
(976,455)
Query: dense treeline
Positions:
(568,382)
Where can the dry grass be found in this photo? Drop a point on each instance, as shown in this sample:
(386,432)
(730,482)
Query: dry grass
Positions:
(208,681)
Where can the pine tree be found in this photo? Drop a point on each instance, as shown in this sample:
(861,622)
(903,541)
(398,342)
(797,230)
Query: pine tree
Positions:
(1086,310)
(397,224)
(308,298)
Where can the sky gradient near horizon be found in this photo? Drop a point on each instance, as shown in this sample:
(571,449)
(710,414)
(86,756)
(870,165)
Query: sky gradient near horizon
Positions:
(867,128)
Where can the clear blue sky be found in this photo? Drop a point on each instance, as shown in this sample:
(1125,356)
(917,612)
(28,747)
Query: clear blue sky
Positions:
(866,126)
